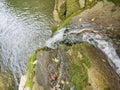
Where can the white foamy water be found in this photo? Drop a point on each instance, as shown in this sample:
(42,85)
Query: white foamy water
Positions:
(106,47)
(92,37)
(56,39)
(21,32)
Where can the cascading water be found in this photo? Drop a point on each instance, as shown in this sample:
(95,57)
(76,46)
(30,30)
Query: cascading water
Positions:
(89,33)
(23,29)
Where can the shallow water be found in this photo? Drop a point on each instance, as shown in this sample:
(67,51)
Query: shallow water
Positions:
(24,26)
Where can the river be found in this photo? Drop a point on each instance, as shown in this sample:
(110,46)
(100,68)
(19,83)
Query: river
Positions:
(25,25)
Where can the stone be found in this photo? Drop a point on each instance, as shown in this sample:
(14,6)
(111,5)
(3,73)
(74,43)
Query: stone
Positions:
(82,3)
(6,81)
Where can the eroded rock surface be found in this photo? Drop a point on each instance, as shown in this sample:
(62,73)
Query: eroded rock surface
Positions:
(105,15)
(80,66)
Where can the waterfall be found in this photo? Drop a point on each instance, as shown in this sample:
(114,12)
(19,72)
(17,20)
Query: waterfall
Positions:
(89,33)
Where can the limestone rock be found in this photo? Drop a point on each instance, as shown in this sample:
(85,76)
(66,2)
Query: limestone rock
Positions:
(82,3)
(80,66)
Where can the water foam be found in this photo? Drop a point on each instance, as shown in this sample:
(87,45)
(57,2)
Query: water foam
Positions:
(56,39)
(87,34)
(19,36)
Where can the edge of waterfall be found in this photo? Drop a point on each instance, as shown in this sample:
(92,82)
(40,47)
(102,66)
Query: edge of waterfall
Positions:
(63,16)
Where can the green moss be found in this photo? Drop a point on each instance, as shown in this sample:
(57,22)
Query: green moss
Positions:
(30,71)
(78,71)
(62,12)
(73,11)
(117,2)
(65,23)
(72,6)
(78,64)
(54,28)
(90,3)
(79,76)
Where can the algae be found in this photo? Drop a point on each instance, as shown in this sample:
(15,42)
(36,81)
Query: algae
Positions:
(78,69)
(78,64)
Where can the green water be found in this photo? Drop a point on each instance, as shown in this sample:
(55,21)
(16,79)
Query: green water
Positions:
(25,25)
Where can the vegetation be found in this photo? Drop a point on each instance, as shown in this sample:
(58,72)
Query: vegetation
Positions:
(72,8)
(117,2)
(80,63)
(30,71)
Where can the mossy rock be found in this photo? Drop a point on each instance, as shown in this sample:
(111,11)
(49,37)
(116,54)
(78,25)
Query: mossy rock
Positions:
(67,10)
(62,11)
(78,66)
(117,2)
(72,6)
(30,72)
(69,71)
(7,81)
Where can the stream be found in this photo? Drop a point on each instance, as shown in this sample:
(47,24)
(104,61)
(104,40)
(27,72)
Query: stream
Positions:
(25,25)
(90,33)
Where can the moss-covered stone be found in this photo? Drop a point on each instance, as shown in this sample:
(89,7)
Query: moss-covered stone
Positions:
(72,6)
(63,12)
(30,71)
(80,66)
(73,71)
(7,81)
(117,2)
(77,64)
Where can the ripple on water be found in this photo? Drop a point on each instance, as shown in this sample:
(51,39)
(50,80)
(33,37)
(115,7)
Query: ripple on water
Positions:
(22,30)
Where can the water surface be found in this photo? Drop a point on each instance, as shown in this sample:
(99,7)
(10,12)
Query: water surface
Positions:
(25,25)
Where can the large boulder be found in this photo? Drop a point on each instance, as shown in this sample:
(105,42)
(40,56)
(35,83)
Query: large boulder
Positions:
(65,8)
(79,66)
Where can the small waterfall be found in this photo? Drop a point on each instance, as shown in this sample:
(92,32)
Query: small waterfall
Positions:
(56,39)
(89,33)
(106,47)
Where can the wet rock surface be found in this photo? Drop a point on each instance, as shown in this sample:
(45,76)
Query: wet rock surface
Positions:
(106,16)
(80,66)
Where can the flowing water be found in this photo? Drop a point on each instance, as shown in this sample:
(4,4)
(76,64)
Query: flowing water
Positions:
(90,33)
(24,26)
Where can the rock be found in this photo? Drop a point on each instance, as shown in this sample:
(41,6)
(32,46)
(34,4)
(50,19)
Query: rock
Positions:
(58,13)
(82,3)
(6,81)
(102,14)
(71,7)
(80,66)
(36,86)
